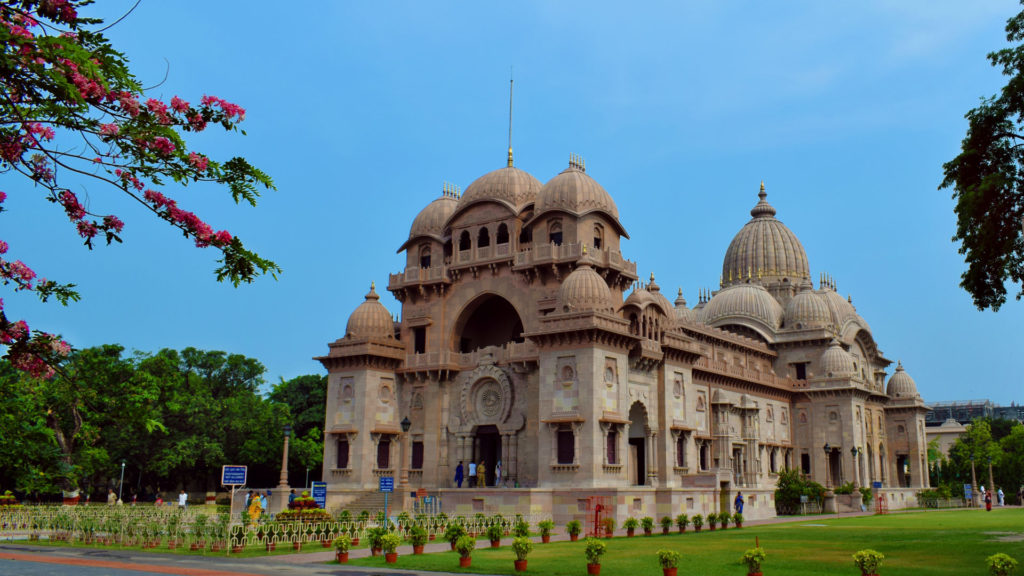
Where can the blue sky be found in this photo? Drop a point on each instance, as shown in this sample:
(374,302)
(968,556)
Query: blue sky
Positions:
(362,111)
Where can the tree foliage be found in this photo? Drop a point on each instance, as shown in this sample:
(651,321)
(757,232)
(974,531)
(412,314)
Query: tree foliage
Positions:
(988,183)
(72,114)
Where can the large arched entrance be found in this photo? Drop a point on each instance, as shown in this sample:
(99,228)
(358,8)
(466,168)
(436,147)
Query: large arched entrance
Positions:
(490,320)
(487,451)
(636,467)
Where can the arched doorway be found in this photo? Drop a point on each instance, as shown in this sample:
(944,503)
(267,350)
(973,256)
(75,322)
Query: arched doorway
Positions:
(490,320)
(636,468)
(487,451)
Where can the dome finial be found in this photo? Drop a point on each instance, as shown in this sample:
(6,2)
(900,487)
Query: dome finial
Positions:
(510,84)
(762,194)
(762,208)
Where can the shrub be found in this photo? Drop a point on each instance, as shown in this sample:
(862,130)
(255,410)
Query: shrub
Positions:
(865,495)
(712,519)
(682,520)
(630,523)
(417,535)
(737,518)
(495,532)
(522,546)
(609,525)
(753,558)
(724,518)
(647,523)
(1000,564)
(698,521)
(342,543)
(845,488)
(344,516)
(666,522)
(374,535)
(464,546)
(574,527)
(521,528)
(389,542)
(595,549)
(454,531)
(668,558)
(868,561)
(546,526)
(792,485)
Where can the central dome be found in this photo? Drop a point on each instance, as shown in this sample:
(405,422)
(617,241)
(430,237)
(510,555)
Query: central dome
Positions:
(764,248)
(574,192)
(509,186)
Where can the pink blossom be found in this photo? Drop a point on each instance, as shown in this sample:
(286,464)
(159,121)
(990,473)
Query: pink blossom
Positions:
(3,247)
(198,161)
(21,272)
(179,105)
(112,222)
(3,196)
(163,145)
(87,229)
(129,104)
(109,129)
(157,199)
(222,238)
(15,331)
(71,205)
(197,122)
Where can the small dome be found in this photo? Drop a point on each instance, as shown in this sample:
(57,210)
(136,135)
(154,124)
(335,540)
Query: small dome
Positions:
(659,298)
(574,192)
(682,312)
(584,289)
(430,222)
(639,297)
(807,309)
(839,308)
(901,385)
(370,319)
(744,302)
(509,186)
(765,249)
(836,362)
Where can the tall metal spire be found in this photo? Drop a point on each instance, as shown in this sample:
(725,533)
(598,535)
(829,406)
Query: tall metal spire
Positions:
(510,85)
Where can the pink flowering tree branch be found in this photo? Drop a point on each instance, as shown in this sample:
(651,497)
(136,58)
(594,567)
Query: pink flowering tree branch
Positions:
(71,108)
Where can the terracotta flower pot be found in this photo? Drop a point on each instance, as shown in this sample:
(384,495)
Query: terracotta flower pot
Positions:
(355,541)
(669,571)
(574,537)
(696,528)
(271,546)
(712,527)
(432,537)
(546,539)
(342,557)
(520,565)
(647,532)
(664,531)
(391,557)
(593,569)
(464,562)
(237,549)
(495,543)
(296,545)
(417,549)
(739,524)
(754,574)
(630,532)
(375,551)
(682,529)
(193,546)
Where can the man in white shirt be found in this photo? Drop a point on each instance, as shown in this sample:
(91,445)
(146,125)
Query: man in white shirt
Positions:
(472,474)
(182,499)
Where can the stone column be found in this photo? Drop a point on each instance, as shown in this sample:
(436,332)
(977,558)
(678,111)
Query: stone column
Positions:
(513,457)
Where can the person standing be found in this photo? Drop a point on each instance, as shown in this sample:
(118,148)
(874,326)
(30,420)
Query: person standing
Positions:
(472,474)
(458,475)
(1002,497)
(497,474)
(182,499)
(111,497)
(738,503)
(988,501)
(481,474)
(291,497)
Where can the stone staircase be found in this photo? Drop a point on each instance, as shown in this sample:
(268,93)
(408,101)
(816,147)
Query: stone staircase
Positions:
(372,502)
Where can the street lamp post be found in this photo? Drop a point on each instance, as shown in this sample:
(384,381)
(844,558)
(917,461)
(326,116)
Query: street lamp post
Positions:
(120,485)
(828,454)
(974,482)
(307,477)
(281,498)
(991,484)
(854,452)
(403,479)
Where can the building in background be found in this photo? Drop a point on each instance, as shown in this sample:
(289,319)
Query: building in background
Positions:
(526,339)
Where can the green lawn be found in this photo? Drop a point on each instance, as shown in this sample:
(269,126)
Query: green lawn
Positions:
(918,543)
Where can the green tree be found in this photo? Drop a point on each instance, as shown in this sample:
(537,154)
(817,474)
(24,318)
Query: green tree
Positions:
(987,179)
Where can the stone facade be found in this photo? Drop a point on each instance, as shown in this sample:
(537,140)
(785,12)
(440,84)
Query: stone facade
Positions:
(525,338)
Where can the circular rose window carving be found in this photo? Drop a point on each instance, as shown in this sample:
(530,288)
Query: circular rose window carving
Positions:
(488,399)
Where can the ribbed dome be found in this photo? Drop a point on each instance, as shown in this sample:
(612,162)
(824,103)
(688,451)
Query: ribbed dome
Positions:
(584,289)
(807,309)
(658,297)
(750,301)
(836,362)
(682,312)
(575,192)
(901,385)
(764,248)
(430,221)
(509,185)
(370,319)
(840,310)
(639,297)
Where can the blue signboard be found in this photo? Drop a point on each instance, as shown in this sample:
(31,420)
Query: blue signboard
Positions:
(876,484)
(233,475)
(320,494)
(968,492)
(387,483)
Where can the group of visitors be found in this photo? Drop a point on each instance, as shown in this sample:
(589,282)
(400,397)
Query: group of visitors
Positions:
(1000,497)
(256,505)
(477,474)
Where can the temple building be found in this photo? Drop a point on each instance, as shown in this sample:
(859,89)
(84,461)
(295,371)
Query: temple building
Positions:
(525,338)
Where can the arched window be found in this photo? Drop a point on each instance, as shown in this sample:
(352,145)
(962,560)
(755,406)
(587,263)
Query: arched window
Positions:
(555,232)
(526,235)
(464,240)
(484,238)
(612,446)
(598,236)
(502,234)
(425,256)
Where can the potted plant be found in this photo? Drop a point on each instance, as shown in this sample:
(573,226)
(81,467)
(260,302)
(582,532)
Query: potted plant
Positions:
(609,526)
(723,519)
(868,561)
(546,526)
(1000,564)
(647,523)
(453,532)
(595,549)
(737,519)
(389,542)
(573,527)
(464,546)
(753,558)
(342,544)
(712,519)
(630,525)
(373,538)
(522,546)
(494,534)
(669,560)
(521,528)
(681,521)
(698,522)
(666,524)
(418,538)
